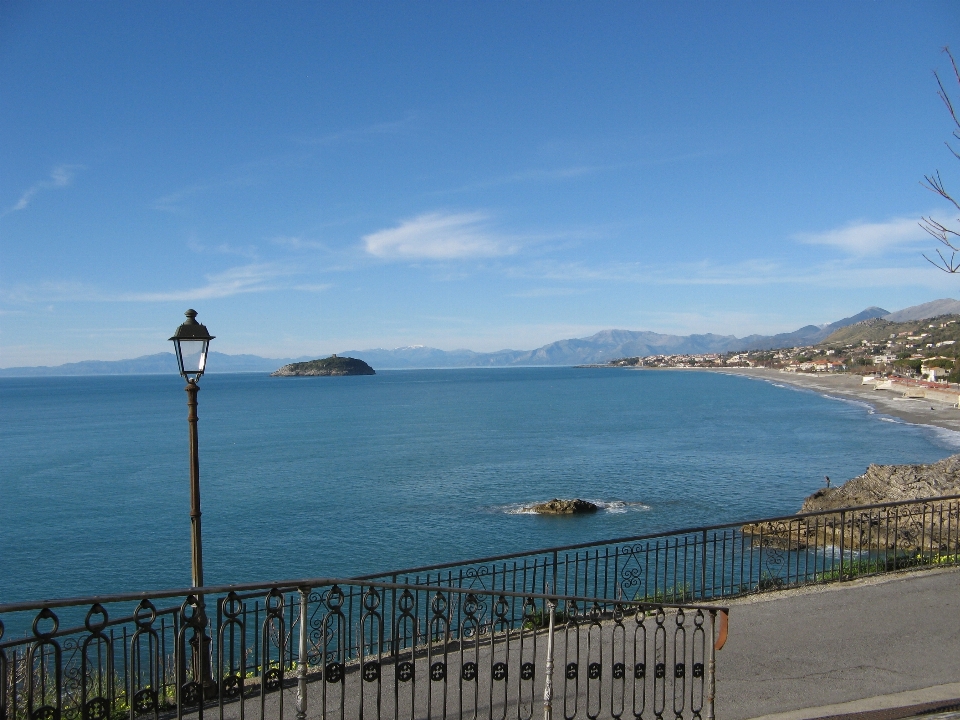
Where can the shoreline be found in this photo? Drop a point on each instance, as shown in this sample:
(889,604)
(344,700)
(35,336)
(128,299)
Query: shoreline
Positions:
(915,411)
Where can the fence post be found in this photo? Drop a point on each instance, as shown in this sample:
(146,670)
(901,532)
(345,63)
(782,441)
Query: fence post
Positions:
(548,681)
(554,570)
(712,667)
(302,657)
(703,569)
(843,525)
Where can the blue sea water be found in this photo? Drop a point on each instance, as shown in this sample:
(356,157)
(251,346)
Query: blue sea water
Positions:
(303,477)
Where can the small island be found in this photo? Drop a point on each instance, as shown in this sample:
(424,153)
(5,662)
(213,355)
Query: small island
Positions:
(332,365)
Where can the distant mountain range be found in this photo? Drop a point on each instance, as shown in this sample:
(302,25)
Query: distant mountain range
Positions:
(600,348)
(163,363)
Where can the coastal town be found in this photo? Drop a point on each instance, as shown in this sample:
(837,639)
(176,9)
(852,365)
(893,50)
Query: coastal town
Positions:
(923,351)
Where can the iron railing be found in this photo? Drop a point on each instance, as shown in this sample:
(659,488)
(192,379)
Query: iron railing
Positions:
(135,650)
(356,649)
(722,561)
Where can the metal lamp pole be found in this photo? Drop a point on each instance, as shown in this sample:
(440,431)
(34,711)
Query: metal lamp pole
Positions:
(192,342)
(196,544)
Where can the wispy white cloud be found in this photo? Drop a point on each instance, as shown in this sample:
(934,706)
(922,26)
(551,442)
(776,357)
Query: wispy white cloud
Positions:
(175,202)
(438,236)
(536,175)
(847,273)
(548,292)
(359,133)
(312,287)
(251,278)
(297,243)
(60,177)
(866,238)
(53,291)
(247,251)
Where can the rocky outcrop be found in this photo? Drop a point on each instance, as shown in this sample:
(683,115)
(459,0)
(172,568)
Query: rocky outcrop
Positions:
(890,483)
(565,507)
(332,365)
(929,526)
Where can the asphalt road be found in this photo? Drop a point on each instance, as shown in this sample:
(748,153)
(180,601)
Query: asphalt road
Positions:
(838,643)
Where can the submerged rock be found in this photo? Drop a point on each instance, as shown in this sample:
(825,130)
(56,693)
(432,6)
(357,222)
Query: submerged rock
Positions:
(332,365)
(565,507)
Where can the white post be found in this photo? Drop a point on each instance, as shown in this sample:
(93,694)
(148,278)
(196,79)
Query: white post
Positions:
(548,681)
(302,657)
(712,666)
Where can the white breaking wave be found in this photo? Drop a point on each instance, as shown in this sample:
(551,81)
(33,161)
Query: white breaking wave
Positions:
(943,436)
(871,410)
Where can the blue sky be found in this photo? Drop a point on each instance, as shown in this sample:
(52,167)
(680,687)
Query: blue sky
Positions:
(319,177)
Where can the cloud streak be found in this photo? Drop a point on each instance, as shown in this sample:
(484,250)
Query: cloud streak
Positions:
(866,238)
(60,177)
(359,133)
(538,175)
(245,279)
(251,278)
(749,273)
(438,236)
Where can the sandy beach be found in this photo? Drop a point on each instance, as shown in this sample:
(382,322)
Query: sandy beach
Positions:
(920,411)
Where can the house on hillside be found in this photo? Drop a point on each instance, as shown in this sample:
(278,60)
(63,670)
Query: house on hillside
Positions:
(933,369)
(823,365)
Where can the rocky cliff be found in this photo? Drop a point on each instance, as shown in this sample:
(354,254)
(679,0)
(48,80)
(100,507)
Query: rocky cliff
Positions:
(914,527)
(890,483)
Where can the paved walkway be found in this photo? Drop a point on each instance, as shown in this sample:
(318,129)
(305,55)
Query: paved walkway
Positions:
(841,649)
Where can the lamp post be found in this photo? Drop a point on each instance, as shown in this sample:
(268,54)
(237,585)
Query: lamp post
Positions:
(192,341)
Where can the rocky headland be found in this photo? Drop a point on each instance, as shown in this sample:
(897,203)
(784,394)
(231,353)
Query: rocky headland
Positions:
(930,526)
(565,507)
(890,483)
(332,365)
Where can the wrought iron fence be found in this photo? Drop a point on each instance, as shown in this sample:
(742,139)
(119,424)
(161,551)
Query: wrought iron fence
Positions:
(134,661)
(357,649)
(723,561)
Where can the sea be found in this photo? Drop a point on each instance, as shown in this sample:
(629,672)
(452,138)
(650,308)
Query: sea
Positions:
(334,477)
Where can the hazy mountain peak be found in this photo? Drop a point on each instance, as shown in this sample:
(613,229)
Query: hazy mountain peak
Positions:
(944,306)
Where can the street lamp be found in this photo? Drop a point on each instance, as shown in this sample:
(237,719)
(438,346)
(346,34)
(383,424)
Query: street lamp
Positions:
(192,341)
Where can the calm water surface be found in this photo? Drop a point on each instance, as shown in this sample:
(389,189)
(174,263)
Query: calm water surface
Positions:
(340,476)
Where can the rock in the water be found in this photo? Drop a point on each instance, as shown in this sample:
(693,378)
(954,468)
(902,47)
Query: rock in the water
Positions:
(565,507)
(332,365)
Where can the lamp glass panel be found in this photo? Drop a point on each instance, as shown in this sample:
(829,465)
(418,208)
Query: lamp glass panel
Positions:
(194,355)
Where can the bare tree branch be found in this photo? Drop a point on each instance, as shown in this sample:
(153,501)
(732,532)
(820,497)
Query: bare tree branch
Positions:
(949,266)
(944,234)
(935,184)
(939,231)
